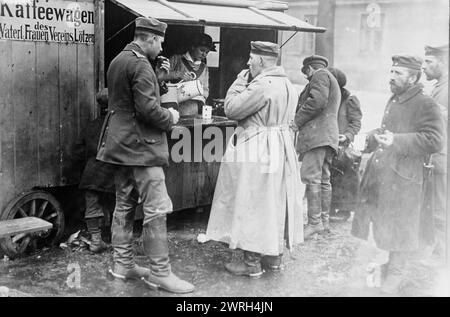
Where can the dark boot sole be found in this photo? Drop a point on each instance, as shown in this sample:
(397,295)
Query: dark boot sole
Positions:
(275,268)
(156,287)
(250,275)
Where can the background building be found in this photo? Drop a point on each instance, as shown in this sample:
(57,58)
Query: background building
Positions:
(366,34)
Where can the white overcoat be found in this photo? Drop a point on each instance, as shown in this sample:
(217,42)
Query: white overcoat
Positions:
(257,202)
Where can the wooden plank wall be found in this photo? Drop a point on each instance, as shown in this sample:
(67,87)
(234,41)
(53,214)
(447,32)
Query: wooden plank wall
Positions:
(47,97)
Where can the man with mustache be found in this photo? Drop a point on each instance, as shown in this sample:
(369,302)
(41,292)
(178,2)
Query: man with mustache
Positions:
(396,177)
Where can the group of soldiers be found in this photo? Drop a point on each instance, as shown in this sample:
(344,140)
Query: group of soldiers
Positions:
(257,206)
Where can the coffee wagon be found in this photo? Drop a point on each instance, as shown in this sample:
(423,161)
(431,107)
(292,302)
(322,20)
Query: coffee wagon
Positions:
(53,57)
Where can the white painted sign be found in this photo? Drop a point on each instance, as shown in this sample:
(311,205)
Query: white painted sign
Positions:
(47,20)
(374,17)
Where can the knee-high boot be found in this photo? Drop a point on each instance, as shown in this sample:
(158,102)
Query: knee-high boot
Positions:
(154,235)
(314,211)
(325,197)
(97,244)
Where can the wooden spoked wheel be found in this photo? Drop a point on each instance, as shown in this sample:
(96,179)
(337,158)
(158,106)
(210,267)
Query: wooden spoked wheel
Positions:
(33,204)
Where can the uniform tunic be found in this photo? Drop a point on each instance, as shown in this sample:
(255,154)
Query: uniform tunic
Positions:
(134,132)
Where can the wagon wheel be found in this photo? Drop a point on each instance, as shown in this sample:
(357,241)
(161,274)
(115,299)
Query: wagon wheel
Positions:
(33,204)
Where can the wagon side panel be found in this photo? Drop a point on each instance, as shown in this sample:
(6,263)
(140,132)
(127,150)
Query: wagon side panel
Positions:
(47,70)
(86,84)
(25,115)
(6,124)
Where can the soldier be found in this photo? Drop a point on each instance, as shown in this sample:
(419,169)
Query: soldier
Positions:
(436,68)
(255,205)
(317,143)
(395,180)
(134,139)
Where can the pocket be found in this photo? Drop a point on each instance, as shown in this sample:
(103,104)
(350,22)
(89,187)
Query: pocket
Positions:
(409,169)
(148,135)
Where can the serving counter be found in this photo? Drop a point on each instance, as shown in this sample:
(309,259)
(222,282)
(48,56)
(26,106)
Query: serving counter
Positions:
(191,181)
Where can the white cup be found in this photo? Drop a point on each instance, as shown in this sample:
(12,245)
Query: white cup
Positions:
(207,112)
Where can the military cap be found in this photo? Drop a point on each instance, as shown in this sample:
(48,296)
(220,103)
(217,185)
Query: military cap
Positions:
(409,61)
(204,40)
(151,25)
(315,59)
(264,48)
(440,50)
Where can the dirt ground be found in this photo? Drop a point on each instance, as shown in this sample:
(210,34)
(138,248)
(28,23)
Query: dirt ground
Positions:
(330,265)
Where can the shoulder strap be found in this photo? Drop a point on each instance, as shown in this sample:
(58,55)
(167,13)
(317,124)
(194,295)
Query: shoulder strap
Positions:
(138,54)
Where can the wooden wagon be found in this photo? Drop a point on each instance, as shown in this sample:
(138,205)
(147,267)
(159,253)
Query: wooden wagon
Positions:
(53,57)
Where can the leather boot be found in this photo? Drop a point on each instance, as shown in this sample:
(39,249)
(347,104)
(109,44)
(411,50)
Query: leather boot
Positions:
(156,247)
(395,273)
(135,273)
(250,266)
(325,196)
(97,244)
(314,211)
(272,262)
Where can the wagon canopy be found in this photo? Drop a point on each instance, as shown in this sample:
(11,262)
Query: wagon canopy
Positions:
(220,14)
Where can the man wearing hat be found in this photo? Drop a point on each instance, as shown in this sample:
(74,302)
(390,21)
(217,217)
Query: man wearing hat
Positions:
(256,206)
(395,180)
(134,139)
(192,66)
(435,67)
(318,138)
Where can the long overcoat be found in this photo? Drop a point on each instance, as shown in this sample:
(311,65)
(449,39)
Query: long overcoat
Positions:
(395,180)
(134,131)
(96,175)
(257,191)
(316,115)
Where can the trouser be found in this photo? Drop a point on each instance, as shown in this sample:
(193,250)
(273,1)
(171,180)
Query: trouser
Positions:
(315,173)
(94,208)
(133,182)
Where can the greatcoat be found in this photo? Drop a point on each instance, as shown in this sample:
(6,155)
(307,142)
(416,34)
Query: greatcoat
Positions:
(395,180)
(257,191)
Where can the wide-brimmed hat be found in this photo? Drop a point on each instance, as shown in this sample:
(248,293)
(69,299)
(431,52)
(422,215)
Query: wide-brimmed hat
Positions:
(204,40)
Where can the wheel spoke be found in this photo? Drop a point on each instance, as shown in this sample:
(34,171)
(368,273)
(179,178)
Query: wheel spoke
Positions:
(42,208)
(24,242)
(34,245)
(18,237)
(33,208)
(22,212)
(53,215)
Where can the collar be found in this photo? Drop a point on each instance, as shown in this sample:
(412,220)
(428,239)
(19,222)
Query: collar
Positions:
(411,92)
(442,81)
(133,46)
(188,57)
